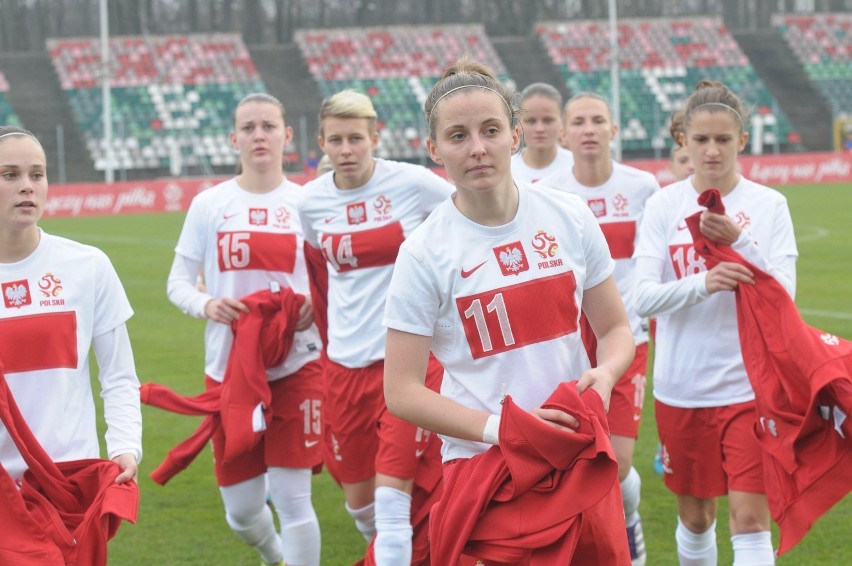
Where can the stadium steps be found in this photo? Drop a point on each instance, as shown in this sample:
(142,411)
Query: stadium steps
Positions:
(287,78)
(528,62)
(36,96)
(784,76)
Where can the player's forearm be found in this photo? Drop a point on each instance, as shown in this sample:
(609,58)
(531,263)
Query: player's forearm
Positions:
(120,392)
(181,287)
(653,298)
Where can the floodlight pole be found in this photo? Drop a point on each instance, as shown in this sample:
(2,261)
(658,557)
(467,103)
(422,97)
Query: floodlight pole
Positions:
(105,92)
(615,76)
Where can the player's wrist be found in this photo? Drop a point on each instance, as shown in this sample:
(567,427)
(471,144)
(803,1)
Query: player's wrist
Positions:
(491,432)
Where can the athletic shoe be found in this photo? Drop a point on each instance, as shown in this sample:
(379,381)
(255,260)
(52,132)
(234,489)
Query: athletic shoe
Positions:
(636,542)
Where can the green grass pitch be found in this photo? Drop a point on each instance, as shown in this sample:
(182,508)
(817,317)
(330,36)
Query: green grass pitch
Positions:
(183,522)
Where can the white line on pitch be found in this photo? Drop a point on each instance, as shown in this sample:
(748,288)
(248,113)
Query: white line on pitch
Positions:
(84,238)
(827,314)
(818,233)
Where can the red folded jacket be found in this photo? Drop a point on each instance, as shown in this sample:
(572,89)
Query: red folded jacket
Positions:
(262,339)
(802,380)
(543,496)
(63,513)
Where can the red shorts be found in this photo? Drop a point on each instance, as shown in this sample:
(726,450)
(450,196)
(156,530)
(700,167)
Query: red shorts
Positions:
(628,396)
(293,437)
(707,452)
(361,437)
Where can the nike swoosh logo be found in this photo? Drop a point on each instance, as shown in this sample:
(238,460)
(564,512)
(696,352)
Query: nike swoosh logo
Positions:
(330,219)
(419,452)
(682,226)
(227,216)
(467,273)
(311,443)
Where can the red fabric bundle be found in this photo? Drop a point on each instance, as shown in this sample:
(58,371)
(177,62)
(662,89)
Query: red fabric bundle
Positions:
(802,379)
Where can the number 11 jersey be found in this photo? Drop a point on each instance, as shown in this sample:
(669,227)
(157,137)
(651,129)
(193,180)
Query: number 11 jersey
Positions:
(502,304)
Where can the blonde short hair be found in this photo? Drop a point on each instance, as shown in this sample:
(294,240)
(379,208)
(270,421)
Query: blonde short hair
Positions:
(348,104)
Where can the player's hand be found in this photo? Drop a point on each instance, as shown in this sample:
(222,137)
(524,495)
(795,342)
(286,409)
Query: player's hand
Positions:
(306,314)
(129,468)
(600,380)
(726,276)
(557,419)
(719,228)
(224,310)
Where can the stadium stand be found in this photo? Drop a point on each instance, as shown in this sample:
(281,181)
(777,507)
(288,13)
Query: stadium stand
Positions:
(823,45)
(396,67)
(169,95)
(661,61)
(7,113)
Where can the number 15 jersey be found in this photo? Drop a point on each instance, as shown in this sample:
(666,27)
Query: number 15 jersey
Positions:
(245,241)
(502,304)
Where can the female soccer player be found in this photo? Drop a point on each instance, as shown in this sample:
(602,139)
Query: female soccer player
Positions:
(493,283)
(704,402)
(244,233)
(542,125)
(616,194)
(357,218)
(61,299)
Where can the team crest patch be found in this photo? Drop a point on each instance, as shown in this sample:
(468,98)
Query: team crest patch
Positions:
(16,294)
(258,216)
(511,258)
(282,218)
(382,205)
(50,285)
(619,203)
(546,246)
(356,213)
(743,221)
(598,206)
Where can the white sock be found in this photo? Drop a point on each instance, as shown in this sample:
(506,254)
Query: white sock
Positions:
(393,527)
(365,520)
(300,532)
(753,549)
(631,489)
(251,519)
(696,549)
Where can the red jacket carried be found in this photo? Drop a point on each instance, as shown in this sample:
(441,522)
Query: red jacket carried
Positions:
(543,496)
(262,339)
(802,379)
(65,512)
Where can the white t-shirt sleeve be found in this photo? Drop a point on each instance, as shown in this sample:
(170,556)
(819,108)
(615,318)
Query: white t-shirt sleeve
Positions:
(413,300)
(181,287)
(652,297)
(307,228)
(433,191)
(120,392)
(112,308)
(192,239)
(599,262)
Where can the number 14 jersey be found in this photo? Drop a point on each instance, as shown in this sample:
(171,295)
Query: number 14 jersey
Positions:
(501,304)
(359,232)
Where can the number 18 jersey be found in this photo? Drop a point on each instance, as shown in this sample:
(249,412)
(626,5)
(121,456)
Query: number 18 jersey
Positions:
(502,304)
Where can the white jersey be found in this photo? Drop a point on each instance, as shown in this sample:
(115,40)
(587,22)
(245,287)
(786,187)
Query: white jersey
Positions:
(245,241)
(698,360)
(55,302)
(563,162)
(502,304)
(618,205)
(359,232)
